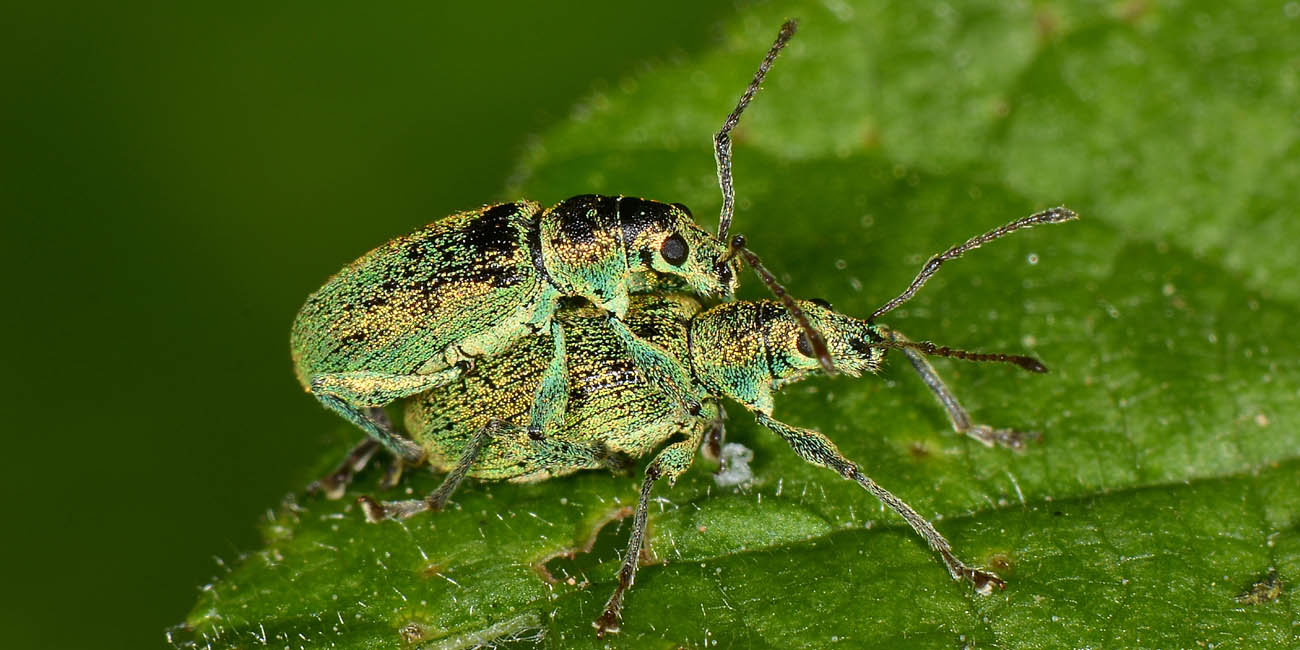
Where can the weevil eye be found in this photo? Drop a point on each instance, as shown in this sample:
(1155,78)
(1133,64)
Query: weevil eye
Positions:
(803,345)
(683,208)
(822,302)
(674,249)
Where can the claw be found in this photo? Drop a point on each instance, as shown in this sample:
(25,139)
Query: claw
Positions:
(985,581)
(608,623)
(329,487)
(1007,438)
(375,511)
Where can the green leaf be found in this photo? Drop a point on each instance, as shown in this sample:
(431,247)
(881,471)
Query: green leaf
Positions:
(1167,484)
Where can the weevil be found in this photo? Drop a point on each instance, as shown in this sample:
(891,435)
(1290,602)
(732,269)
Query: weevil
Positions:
(741,350)
(419,311)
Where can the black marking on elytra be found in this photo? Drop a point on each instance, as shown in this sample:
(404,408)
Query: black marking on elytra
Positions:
(494,231)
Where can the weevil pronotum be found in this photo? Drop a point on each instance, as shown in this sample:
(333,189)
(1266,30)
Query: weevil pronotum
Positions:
(744,351)
(417,312)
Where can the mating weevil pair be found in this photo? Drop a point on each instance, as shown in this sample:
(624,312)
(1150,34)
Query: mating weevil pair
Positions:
(442,317)
(415,313)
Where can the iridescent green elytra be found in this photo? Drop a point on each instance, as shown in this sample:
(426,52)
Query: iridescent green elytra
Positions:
(417,312)
(744,351)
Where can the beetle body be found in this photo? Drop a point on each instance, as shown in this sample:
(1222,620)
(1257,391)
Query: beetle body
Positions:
(411,314)
(419,311)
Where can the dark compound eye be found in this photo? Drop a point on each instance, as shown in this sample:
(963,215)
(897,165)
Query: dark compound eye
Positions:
(803,345)
(683,208)
(674,249)
(821,301)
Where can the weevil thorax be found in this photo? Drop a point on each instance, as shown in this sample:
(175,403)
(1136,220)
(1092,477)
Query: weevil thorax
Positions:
(745,350)
(590,245)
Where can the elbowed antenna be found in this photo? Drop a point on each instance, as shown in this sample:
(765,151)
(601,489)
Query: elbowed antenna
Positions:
(722,140)
(1028,363)
(722,155)
(1053,215)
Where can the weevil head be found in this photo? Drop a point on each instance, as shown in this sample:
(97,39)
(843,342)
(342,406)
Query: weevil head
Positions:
(589,244)
(746,349)
(848,340)
(664,237)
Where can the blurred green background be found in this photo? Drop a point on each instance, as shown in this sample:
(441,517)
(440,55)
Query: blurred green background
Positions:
(177,178)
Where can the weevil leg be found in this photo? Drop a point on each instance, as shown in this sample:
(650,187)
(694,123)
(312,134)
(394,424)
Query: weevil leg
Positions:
(819,450)
(611,620)
(553,391)
(392,475)
(590,455)
(716,437)
(378,511)
(722,139)
(357,395)
(336,482)
(961,421)
(659,367)
(670,463)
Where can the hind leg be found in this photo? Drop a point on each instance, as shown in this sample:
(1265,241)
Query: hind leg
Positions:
(357,396)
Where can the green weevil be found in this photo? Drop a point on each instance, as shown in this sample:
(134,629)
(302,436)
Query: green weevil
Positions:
(741,350)
(419,311)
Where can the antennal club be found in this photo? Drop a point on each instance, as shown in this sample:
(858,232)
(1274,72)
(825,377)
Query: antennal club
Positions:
(722,140)
(1053,215)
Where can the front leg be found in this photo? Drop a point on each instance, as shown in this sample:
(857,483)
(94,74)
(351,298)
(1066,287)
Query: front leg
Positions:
(670,463)
(659,368)
(961,420)
(547,413)
(819,450)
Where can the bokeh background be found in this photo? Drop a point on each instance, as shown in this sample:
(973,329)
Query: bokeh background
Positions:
(176,179)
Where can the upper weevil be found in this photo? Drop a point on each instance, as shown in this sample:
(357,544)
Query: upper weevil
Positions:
(416,312)
(744,351)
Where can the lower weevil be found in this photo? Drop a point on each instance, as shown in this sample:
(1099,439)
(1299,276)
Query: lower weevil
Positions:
(744,351)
